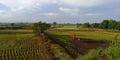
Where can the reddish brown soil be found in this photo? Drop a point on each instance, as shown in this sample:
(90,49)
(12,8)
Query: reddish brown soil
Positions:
(84,45)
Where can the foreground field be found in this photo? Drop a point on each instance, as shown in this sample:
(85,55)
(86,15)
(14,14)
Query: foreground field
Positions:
(25,45)
(22,45)
(62,36)
(8,38)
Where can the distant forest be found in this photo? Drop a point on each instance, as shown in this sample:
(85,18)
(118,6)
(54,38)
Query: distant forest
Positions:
(105,24)
(4,26)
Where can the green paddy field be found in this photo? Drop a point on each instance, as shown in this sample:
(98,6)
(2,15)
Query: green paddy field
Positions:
(23,44)
(62,36)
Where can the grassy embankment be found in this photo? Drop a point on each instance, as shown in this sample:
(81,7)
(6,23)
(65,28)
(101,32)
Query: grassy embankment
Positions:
(63,37)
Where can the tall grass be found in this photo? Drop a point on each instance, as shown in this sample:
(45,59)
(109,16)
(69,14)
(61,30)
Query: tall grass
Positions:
(91,54)
(113,51)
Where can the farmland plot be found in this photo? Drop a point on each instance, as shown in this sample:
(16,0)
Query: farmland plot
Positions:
(22,46)
(90,43)
(25,45)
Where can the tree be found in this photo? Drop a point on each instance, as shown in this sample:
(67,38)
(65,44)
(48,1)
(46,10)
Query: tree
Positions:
(117,26)
(40,27)
(112,24)
(54,23)
(12,24)
(86,25)
(78,25)
(104,24)
(95,25)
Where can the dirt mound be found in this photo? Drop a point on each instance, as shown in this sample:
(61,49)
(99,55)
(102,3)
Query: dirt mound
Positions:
(84,45)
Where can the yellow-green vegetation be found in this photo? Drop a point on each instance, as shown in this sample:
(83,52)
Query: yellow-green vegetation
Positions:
(63,37)
(60,53)
(96,34)
(25,45)
(8,38)
(22,45)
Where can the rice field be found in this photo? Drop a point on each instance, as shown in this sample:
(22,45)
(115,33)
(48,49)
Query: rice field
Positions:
(23,45)
(96,34)
(62,36)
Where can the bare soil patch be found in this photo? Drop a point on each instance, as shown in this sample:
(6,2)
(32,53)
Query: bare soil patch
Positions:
(84,45)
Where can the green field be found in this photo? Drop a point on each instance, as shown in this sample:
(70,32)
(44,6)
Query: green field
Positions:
(22,45)
(62,36)
(25,45)
(96,34)
(8,38)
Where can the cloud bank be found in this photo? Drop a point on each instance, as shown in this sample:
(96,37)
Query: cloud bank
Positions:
(77,10)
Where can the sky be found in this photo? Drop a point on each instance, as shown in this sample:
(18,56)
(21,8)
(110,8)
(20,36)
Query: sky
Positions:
(61,11)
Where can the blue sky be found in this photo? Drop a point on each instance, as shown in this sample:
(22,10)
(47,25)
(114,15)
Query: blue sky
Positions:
(61,11)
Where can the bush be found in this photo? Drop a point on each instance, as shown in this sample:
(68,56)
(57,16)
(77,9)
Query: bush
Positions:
(91,54)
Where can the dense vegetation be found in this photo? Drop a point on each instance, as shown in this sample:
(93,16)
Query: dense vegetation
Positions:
(105,24)
(12,26)
(40,27)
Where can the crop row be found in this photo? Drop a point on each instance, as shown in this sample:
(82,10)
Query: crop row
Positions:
(26,49)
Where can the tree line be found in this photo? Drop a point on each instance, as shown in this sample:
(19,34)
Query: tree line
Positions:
(40,27)
(14,26)
(105,24)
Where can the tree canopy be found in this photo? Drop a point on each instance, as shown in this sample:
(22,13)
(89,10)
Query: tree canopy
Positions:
(105,24)
(40,27)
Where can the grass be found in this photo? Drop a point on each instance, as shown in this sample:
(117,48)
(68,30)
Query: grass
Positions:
(84,33)
(110,53)
(21,44)
(92,53)
(8,38)
(63,37)
(24,45)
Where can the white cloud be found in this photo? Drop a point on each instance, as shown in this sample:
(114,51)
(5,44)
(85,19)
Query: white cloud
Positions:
(31,6)
(2,11)
(93,14)
(17,4)
(51,14)
(7,15)
(68,10)
(82,3)
(17,9)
